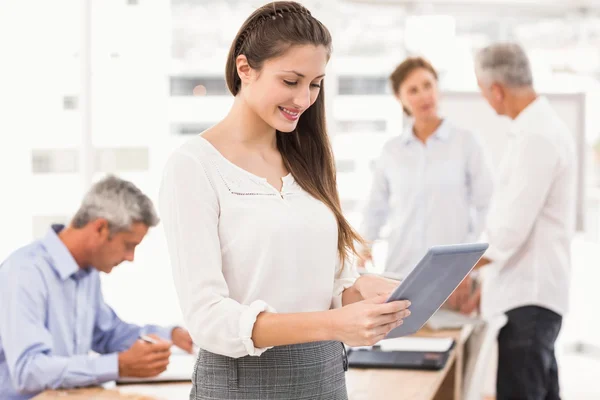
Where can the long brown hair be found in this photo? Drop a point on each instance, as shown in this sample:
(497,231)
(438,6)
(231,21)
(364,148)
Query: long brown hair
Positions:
(268,33)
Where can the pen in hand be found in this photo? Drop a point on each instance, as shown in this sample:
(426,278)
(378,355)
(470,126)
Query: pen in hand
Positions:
(147,357)
(148,339)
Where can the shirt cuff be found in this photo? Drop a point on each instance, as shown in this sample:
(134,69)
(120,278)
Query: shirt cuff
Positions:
(247,320)
(164,332)
(106,367)
(338,289)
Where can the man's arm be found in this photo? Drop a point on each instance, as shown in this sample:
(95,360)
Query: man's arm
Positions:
(28,344)
(518,205)
(519,202)
(111,334)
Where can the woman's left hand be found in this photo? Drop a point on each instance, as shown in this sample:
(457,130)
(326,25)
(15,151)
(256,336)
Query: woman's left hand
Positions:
(370,286)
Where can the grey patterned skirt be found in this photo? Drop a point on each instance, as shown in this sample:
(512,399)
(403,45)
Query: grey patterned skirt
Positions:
(303,371)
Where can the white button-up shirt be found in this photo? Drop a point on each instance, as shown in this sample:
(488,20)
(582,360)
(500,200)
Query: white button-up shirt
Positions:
(239,247)
(427,194)
(532,216)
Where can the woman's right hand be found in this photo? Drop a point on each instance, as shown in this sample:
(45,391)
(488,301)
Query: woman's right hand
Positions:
(367,322)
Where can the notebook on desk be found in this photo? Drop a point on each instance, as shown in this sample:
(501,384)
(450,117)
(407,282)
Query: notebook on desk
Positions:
(403,353)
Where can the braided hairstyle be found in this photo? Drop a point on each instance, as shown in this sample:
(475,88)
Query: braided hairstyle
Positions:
(269,32)
(306,151)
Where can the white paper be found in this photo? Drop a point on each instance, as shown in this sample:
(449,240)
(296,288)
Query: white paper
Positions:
(447,319)
(425,344)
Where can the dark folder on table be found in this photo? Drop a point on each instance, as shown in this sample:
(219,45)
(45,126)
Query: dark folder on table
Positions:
(375,357)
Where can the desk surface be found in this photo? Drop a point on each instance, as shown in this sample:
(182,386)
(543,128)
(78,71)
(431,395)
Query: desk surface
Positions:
(361,383)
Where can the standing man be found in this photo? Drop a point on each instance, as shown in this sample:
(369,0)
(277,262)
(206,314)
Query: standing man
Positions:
(529,227)
(52,312)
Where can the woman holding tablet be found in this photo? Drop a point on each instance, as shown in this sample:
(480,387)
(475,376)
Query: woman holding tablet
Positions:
(257,239)
(432,184)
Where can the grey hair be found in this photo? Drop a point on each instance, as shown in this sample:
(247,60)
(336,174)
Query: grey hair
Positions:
(504,63)
(118,201)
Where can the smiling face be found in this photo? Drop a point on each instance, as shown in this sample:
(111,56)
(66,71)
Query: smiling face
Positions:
(285,86)
(418,93)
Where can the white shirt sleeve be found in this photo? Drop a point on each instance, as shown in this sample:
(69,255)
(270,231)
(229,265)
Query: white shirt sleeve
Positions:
(343,280)
(377,207)
(189,209)
(518,203)
(480,187)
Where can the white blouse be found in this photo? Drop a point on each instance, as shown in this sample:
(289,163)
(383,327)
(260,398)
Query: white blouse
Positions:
(239,247)
(532,216)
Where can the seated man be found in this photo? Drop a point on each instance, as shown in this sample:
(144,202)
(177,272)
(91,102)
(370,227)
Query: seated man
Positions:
(52,313)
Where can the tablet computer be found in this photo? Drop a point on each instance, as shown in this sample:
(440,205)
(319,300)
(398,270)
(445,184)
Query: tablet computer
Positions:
(432,281)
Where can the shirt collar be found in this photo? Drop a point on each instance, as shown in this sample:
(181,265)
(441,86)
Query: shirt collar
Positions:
(442,133)
(62,260)
(531,115)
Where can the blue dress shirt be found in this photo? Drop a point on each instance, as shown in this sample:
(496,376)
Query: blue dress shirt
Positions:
(56,331)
